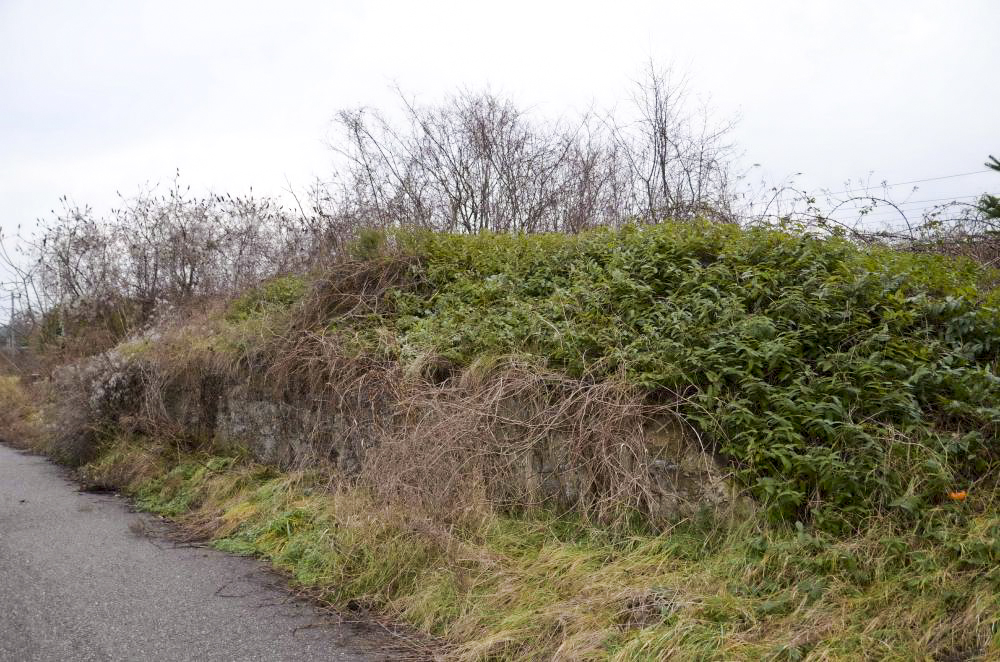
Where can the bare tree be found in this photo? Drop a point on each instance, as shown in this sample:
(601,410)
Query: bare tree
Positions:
(160,248)
(678,160)
(471,164)
(478,162)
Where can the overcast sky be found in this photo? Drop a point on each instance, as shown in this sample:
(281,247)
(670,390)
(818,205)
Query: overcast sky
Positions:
(103,96)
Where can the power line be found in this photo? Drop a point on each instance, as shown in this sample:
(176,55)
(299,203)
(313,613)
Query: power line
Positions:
(906,203)
(880,210)
(899,213)
(879,201)
(886,209)
(920,181)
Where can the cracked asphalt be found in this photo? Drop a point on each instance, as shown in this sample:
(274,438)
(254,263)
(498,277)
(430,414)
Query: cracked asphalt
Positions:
(83,578)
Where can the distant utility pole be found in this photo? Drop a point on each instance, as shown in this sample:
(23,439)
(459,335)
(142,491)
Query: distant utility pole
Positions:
(10,324)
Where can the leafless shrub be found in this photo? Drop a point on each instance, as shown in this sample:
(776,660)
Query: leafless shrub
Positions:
(478,162)
(305,359)
(473,163)
(677,161)
(504,435)
(351,289)
(75,435)
(91,400)
(107,275)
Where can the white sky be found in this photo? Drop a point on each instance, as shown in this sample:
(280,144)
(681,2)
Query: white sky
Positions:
(105,95)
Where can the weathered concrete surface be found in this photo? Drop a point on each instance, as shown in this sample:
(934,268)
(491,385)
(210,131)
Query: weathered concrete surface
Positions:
(81,579)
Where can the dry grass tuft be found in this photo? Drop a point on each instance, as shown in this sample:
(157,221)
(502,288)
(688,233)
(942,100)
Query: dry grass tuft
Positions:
(353,289)
(21,421)
(557,588)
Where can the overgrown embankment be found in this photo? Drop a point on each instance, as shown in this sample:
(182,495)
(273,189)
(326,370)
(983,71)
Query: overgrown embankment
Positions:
(681,440)
(838,382)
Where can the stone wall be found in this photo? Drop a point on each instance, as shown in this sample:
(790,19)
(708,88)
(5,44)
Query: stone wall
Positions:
(683,478)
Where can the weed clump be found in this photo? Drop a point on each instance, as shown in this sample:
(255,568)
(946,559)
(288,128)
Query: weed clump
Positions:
(20,418)
(275,294)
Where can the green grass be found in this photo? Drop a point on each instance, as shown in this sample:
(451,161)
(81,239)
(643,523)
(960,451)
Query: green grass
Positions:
(543,587)
(276,294)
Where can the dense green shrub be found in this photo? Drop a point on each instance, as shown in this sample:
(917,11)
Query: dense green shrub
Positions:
(839,381)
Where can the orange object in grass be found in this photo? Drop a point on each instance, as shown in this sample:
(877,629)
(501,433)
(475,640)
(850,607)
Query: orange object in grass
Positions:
(958,496)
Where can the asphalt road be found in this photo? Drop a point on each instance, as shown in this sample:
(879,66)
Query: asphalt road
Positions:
(83,578)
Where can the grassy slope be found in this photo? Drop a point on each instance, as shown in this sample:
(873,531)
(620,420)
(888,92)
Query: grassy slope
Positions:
(877,564)
(539,587)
